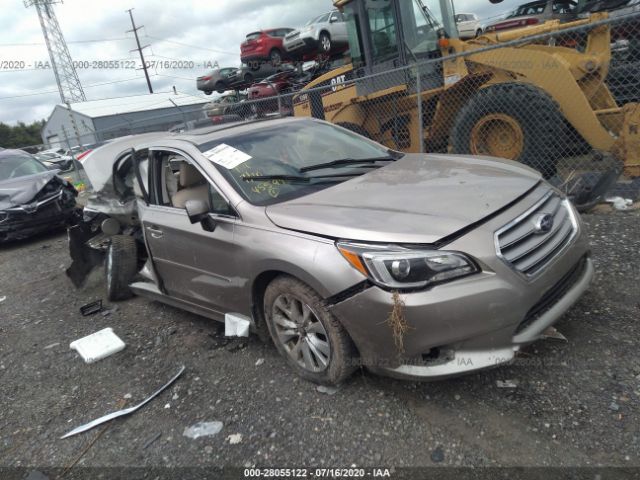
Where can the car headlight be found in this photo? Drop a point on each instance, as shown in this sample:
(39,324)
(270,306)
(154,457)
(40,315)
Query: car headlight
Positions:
(402,268)
(309,29)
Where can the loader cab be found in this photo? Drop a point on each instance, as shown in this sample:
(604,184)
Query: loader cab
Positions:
(386,35)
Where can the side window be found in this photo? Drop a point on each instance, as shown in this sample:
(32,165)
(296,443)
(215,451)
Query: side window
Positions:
(180,181)
(383,29)
(352,18)
(324,18)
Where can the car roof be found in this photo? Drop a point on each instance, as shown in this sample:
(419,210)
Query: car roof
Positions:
(6,153)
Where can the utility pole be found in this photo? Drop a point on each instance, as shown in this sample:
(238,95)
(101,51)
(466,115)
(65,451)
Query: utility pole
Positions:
(63,68)
(139,49)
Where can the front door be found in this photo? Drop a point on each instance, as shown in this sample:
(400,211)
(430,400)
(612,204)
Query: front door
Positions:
(194,265)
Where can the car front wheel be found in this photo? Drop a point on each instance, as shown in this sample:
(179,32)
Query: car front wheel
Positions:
(306,334)
(325,42)
(121,266)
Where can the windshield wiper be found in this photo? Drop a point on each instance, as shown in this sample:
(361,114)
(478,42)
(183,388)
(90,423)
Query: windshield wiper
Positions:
(345,162)
(294,178)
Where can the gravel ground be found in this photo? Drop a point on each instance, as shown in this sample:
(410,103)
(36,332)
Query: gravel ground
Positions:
(575,404)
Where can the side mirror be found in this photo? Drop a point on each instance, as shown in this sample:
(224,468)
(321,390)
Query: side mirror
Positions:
(197,210)
(333,19)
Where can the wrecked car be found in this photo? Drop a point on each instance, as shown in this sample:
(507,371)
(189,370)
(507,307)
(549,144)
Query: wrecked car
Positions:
(346,253)
(33,198)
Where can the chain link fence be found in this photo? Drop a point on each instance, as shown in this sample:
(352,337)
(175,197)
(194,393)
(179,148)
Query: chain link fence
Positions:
(562,100)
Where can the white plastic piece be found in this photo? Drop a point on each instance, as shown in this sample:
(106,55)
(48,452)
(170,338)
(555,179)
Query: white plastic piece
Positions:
(236,325)
(620,203)
(98,345)
(203,429)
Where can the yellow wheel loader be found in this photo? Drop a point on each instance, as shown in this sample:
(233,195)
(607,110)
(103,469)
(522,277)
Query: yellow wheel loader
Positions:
(532,101)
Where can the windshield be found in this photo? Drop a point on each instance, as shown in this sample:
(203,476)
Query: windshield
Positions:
(15,166)
(420,24)
(285,150)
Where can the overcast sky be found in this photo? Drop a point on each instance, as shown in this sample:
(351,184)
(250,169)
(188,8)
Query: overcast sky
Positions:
(198,30)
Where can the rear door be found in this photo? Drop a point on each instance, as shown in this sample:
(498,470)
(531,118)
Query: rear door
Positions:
(194,265)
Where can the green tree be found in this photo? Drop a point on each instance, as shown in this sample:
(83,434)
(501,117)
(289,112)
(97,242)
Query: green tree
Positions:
(20,135)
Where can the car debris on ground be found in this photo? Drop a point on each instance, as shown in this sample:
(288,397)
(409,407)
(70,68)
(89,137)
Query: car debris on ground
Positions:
(98,345)
(203,429)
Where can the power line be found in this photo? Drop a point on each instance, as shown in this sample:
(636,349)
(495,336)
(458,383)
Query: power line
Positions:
(159,39)
(56,91)
(32,44)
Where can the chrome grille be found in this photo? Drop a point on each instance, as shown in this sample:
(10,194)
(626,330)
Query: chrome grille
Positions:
(536,237)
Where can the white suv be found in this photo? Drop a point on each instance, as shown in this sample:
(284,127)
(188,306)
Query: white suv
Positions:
(324,34)
(468,25)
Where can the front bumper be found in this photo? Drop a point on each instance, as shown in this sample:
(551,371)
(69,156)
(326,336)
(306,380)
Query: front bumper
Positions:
(470,324)
(55,212)
(301,45)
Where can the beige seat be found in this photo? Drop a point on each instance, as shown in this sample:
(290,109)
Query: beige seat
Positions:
(193,186)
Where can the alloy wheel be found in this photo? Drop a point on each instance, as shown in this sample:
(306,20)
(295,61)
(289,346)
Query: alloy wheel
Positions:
(301,333)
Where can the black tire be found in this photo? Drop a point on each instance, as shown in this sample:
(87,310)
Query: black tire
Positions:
(220,87)
(531,110)
(355,128)
(324,43)
(121,265)
(341,359)
(478,32)
(208,92)
(275,56)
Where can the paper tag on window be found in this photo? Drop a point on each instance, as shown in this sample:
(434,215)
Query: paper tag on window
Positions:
(226,156)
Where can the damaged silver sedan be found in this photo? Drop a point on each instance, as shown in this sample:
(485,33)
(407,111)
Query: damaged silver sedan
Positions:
(342,252)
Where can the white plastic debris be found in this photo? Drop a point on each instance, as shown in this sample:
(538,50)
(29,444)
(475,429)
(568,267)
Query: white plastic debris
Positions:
(203,429)
(235,438)
(98,345)
(126,411)
(259,362)
(2,299)
(326,390)
(236,325)
(620,203)
(506,384)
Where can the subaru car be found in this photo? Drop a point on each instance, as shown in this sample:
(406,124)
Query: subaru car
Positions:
(323,34)
(342,252)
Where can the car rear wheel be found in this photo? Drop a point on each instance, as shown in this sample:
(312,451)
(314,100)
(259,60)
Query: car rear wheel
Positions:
(275,56)
(513,121)
(121,266)
(208,92)
(220,87)
(478,32)
(306,334)
(325,42)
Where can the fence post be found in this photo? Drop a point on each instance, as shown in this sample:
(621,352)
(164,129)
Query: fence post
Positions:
(419,100)
(279,103)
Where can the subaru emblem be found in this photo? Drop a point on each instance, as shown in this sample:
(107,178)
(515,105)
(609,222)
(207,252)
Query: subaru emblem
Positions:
(544,223)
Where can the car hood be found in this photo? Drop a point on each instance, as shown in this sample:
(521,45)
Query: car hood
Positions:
(418,199)
(22,190)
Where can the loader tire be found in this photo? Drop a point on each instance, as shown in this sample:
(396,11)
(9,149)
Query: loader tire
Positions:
(515,121)
(121,265)
(355,128)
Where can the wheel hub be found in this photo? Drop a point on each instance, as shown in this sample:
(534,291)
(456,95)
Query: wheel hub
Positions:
(301,333)
(498,135)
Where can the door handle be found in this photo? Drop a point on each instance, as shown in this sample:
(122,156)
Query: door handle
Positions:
(155,232)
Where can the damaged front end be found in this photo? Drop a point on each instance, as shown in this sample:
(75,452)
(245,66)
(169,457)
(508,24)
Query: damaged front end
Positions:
(35,205)
(110,210)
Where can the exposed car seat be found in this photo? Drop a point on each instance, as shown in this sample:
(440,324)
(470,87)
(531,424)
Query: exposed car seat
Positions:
(193,186)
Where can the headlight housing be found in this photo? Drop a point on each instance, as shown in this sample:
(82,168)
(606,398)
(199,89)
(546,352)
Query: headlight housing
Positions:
(395,267)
